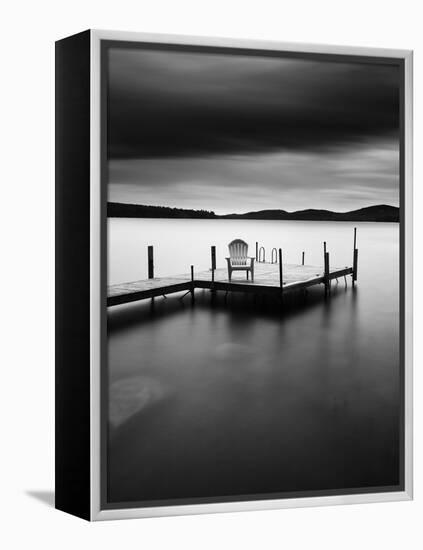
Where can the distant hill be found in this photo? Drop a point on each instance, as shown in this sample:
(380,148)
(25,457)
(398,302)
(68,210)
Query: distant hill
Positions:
(379,213)
(121,210)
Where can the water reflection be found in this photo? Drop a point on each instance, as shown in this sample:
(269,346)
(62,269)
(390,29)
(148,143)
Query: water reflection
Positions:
(240,396)
(132,395)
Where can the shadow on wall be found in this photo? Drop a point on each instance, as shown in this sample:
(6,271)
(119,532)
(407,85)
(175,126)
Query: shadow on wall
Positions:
(46,497)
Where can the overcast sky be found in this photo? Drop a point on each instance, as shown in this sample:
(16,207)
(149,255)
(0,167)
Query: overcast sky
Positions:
(235,133)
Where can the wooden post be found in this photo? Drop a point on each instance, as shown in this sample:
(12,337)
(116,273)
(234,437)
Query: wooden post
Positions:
(280,270)
(213,261)
(355,265)
(355,258)
(325,267)
(192,281)
(256,251)
(302,261)
(327,281)
(150,262)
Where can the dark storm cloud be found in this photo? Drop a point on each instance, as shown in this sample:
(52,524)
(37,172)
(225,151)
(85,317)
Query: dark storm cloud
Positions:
(179,104)
(292,180)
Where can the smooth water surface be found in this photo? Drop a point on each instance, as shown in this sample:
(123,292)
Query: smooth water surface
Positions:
(219,398)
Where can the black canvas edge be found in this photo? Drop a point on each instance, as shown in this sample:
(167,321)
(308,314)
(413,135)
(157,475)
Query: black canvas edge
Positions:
(72,293)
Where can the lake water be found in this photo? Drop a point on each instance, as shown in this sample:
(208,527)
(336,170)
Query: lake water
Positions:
(240,398)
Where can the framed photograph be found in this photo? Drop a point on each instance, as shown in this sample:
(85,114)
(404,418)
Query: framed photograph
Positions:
(233,275)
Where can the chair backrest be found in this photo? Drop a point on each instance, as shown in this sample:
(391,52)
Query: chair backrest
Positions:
(238,252)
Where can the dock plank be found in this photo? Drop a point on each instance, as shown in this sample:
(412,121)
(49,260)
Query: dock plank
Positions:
(145,284)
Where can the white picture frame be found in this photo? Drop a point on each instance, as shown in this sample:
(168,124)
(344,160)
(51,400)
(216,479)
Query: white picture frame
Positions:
(95,511)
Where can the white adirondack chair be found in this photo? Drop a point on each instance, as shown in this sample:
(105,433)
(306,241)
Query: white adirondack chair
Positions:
(238,258)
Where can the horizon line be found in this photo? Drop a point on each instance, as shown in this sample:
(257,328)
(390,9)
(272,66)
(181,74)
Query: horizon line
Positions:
(254,211)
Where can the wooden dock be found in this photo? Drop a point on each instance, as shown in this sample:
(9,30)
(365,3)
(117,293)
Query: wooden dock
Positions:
(274,277)
(266,281)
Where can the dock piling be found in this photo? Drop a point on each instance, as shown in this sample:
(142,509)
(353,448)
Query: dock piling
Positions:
(326,267)
(256,251)
(192,282)
(150,262)
(213,261)
(327,273)
(302,260)
(281,276)
(355,265)
(280,270)
(355,258)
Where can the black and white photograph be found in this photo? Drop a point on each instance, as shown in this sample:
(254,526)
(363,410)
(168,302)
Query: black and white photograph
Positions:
(254,268)
(210,264)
